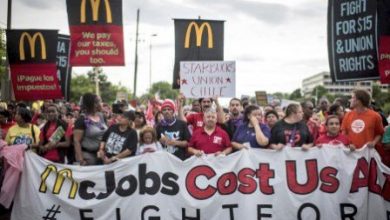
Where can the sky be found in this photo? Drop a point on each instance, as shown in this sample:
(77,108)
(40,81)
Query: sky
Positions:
(275,43)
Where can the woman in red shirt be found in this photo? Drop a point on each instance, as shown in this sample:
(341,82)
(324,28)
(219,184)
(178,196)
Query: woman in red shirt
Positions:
(53,140)
(332,135)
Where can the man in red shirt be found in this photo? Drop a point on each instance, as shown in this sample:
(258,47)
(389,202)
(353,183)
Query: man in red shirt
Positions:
(362,125)
(210,139)
(195,120)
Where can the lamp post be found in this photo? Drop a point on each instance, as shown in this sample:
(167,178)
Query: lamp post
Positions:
(150,59)
(97,71)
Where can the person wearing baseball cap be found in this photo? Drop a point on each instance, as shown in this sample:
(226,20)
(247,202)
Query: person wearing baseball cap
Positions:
(172,132)
(120,140)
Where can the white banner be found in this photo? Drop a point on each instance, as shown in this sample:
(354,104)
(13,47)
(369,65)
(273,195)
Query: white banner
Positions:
(208,79)
(326,183)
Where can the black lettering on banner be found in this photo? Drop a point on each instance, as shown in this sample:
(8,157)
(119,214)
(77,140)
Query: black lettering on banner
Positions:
(84,211)
(132,181)
(110,185)
(185,217)
(170,186)
(83,190)
(230,207)
(146,208)
(308,205)
(144,176)
(261,215)
(347,215)
(118,213)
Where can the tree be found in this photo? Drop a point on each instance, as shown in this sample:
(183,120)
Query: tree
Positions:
(164,89)
(296,95)
(319,92)
(86,83)
(79,85)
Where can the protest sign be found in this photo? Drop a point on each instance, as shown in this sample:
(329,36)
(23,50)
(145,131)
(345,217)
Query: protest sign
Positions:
(208,78)
(196,40)
(96,32)
(352,40)
(322,183)
(32,59)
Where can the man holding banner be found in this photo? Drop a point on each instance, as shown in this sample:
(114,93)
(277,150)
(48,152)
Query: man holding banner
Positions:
(210,139)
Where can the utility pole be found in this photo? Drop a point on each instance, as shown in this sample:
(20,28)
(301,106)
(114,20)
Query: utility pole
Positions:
(136,58)
(97,70)
(150,59)
(5,82)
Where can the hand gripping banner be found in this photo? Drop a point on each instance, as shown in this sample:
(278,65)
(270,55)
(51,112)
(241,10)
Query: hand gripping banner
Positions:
(32,58)
(322,183)
(96,32)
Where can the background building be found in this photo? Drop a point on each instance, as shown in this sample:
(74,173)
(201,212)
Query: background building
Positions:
(339,88)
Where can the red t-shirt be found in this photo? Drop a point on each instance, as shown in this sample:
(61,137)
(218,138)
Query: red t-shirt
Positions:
(196,120)
(53,154)
(217,141)
(361,128)
(333,140)
(5,127)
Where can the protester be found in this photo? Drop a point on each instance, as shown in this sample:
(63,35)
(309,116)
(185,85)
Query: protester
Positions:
(338,110)
(172,132)
(5,122)
(332,135)
(235,119)
(291,130)
(158,118)
(23,132)
(196,120)
(209,139)
(314,126)
(195,107)
(323,107)
(362,125)
(271,117)
(54,137)
(251,133)
(88,131)
(120,140)
(140,121)
(148,141)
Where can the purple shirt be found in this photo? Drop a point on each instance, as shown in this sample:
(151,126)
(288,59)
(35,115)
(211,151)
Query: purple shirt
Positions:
(244,134)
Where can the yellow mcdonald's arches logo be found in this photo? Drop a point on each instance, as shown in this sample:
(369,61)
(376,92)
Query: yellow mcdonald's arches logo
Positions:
(31,42)
(95,10)
(59,181)
(198,34)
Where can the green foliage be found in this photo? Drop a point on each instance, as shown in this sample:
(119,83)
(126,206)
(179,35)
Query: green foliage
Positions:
(164,89)
(296,95)
(279,95)
(86,83)
(79,85)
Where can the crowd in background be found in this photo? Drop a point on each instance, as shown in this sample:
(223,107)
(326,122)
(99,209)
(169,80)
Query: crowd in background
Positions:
(92,132)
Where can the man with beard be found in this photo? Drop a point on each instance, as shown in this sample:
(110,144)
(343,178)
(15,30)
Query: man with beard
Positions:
(172,132)
(210,139)
(196,120)
(235,120)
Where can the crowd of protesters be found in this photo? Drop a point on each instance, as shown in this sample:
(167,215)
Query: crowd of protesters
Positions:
(94,133)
